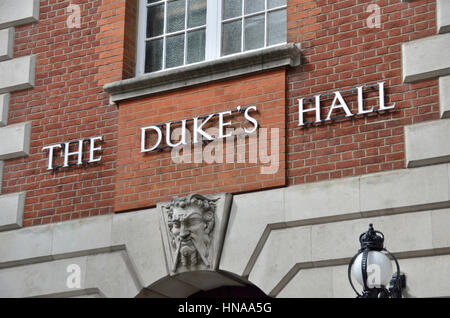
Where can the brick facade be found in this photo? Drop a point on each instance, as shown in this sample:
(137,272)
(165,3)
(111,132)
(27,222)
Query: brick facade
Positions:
(67,103)
(338,52)
(144,180)
(341,52)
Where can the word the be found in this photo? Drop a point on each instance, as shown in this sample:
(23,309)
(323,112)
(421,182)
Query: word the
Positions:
(198,133)
(339,103)
(79,152)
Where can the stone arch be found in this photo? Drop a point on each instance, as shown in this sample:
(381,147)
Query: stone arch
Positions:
(198,283)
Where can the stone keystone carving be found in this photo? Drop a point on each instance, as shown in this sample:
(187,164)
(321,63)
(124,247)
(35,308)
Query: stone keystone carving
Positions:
(193,229)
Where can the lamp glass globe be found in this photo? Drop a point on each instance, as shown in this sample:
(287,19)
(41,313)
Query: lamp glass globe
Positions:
(379,269)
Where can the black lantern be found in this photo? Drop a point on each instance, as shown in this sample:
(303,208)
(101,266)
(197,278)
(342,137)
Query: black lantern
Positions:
(372,268)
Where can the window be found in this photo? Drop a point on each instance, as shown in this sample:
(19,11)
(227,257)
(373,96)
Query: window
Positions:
(174,33)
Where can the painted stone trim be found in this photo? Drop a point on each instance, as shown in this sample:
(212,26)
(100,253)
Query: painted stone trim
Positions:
(17,141)
(206,72)
(444,96)
(193,228)
(284,248)
(426,58)
(11,214)
(2,164)
(17,74)
(6,44)
(443,16)
(427,143)
(4,108)
(18,12)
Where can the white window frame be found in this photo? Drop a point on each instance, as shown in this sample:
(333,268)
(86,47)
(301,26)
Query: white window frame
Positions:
(214,22)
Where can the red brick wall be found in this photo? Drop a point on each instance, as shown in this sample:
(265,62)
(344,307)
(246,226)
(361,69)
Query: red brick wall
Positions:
(341,52)
(144,180)
(68,103)
(129,58)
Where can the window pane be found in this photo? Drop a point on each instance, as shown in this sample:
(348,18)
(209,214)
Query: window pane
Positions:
(277,27)
(231,37)
(252,6)
(175,50)
(197,13)
(152,1)
(232,8)
(196,46)
(276,3)
(254,32)
(153,55)
(175,15)
(155,20)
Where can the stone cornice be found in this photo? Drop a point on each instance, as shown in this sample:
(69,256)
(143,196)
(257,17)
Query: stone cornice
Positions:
(205,72)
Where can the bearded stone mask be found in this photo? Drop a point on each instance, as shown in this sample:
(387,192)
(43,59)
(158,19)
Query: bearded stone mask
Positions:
(188,226)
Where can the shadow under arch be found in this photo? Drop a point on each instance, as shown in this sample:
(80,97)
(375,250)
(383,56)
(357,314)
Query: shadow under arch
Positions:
(202,284)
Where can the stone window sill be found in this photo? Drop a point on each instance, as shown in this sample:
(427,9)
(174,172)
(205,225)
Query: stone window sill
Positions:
(205,72)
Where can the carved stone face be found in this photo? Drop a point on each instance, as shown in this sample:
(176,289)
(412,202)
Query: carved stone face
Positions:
(189,230)
(190,223)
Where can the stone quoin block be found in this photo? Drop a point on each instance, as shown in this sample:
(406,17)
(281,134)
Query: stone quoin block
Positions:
(14,12)
(321,282)
(444,96)
(71,237)
(2,164)
(26,245)
(311,283)
(323,199)
(399,231)
(385,191)
(434,283)
(266,205)
(129,228)
(11,212)
(6,44)
(4,107)
(443,16)
(100,269)
(15,141)
(426,58)
(427,143)
(273,262)
(440,220)
(49,278)
(17,74)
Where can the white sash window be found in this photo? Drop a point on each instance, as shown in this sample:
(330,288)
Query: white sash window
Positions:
(174,33)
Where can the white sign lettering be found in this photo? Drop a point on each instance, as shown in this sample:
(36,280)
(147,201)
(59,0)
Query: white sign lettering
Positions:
(78,153)
(198,132)
(339,103)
